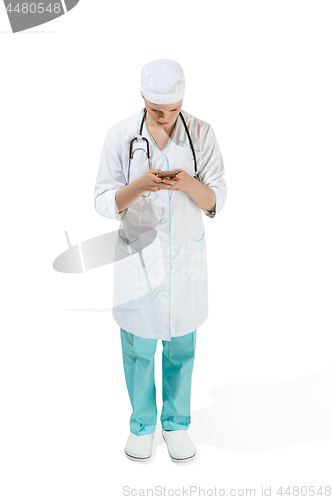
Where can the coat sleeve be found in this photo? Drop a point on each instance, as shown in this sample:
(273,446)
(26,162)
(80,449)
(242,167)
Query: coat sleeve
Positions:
(212,171)
(110,178)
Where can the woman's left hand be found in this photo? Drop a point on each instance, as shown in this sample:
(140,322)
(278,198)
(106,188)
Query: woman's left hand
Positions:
(181,182)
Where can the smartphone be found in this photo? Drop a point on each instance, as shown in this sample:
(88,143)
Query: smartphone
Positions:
(167,173)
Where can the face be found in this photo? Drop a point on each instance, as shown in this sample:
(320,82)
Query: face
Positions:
(164,115)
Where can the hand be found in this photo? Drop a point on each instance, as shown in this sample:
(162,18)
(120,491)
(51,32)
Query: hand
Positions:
(149,181)
(181,182)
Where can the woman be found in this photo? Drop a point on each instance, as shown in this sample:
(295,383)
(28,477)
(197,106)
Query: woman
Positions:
(160,276)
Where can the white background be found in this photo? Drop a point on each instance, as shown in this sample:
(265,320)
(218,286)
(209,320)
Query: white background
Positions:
(260,72)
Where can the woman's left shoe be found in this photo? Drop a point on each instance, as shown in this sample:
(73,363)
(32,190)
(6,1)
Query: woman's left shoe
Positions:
(180,446)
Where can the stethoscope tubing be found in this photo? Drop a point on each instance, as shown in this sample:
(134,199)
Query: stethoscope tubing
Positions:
(147,151)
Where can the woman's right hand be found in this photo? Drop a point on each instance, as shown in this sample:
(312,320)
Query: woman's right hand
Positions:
(150,181)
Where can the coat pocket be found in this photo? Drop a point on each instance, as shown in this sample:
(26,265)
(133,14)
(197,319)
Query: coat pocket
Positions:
(186,160)
(197,240)
(126,244)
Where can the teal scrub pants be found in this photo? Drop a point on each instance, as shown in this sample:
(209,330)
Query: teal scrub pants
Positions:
(177,367)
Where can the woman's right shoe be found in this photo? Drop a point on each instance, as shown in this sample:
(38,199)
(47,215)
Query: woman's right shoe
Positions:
(139,448)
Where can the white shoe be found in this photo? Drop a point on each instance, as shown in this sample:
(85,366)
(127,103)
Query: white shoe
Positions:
(139,448)
(180,446)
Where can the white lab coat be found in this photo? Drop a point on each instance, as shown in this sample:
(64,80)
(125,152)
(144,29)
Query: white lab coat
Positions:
(168,295)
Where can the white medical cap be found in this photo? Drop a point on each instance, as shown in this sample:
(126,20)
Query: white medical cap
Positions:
(162,81)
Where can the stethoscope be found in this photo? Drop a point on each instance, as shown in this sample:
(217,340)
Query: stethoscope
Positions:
(147,150)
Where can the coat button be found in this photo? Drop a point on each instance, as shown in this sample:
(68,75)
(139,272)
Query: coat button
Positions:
(163,240)
(162,200)
(163,221)
(165,294)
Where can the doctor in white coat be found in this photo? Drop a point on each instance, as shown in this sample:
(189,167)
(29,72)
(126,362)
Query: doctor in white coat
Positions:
(160,289)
